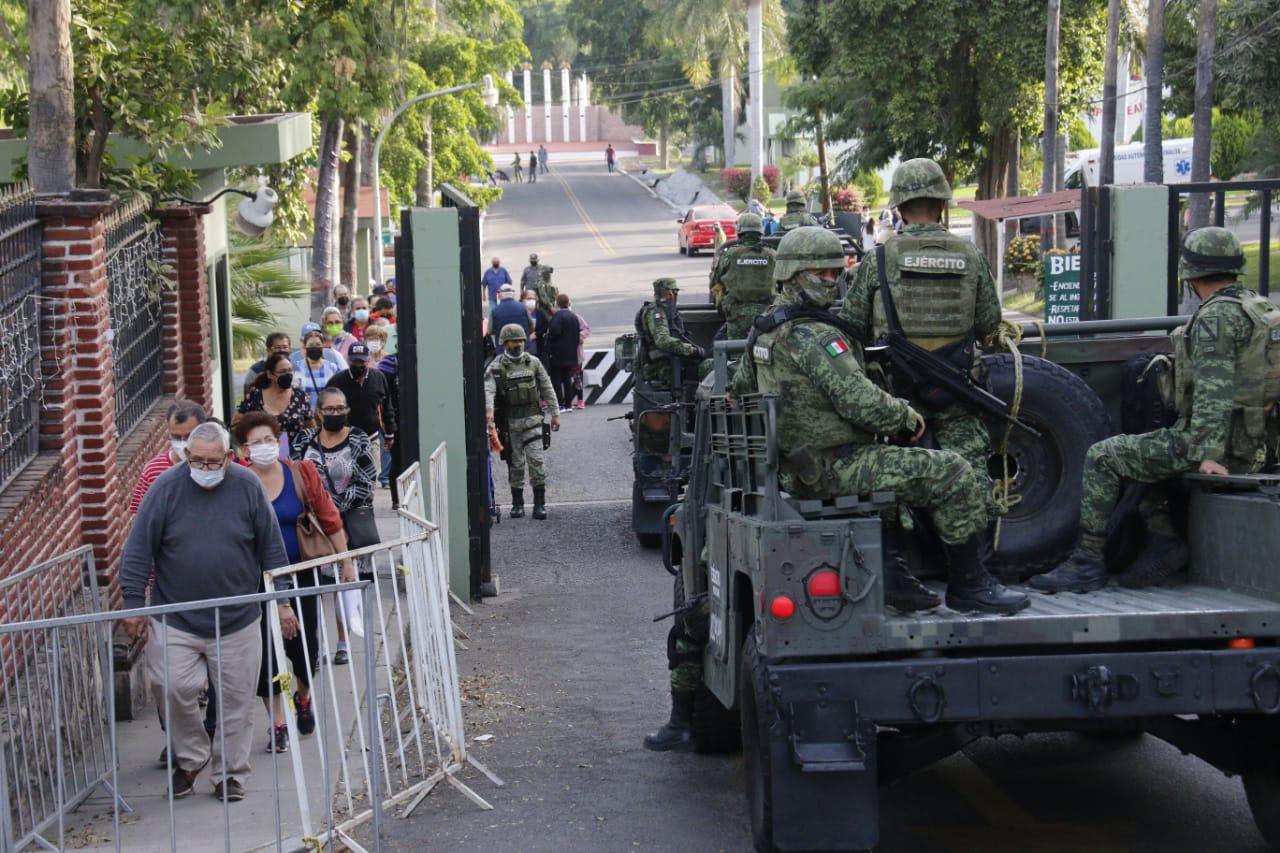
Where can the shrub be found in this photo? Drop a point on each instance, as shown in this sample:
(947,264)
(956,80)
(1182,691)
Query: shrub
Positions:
(870,185)
(846,198)
(1023,254)
(771,177)
(737,182)
(760,190)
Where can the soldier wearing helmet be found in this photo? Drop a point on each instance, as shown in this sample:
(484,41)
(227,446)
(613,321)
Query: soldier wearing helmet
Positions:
(517,391)
(1226,378)
(796,215)
(945,299)
(664,341)
(742,279)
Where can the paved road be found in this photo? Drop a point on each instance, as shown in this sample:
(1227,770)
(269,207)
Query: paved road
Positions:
(566,670)
(607,237)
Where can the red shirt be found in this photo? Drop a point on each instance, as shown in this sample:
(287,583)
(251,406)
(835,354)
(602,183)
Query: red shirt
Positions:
(155,466)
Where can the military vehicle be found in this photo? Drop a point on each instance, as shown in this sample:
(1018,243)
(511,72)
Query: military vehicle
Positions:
(831,694)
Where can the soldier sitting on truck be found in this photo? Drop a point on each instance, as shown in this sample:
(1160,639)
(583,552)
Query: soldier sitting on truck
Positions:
(742,279)
(1226,381)
(664,342)
(796,215)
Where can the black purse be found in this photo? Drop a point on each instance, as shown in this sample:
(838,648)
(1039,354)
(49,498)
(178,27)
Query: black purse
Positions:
(358,521)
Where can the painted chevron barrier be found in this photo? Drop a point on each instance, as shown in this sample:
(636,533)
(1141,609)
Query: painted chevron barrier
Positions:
(603,379)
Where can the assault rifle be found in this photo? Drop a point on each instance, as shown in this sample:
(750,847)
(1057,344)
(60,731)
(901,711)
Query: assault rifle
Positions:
(921,367)
(500,419)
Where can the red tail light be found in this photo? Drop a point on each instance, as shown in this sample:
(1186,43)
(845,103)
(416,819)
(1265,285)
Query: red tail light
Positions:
(824,584)
(782,607)
(1240,643)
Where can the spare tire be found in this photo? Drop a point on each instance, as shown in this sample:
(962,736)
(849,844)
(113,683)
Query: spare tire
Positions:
(1040,529)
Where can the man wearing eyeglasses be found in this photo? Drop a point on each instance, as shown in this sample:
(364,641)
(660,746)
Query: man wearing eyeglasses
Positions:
(210,532)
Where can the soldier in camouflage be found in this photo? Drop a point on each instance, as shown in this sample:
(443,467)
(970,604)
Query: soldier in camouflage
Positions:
(1226,382)
(742,279)
(946,301)
(546,291)
(663,340)
(796,216)
(525,388)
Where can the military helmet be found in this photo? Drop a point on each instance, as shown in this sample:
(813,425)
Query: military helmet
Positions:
(918,178)
(750,223)
(796,197)
(546,272)
(512,332)
(662,285)
(808,248)
(1210,252)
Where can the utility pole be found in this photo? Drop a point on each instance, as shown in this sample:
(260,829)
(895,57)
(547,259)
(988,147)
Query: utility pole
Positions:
(1050,136)
(755,78)
(822,162)
(1107,166)
(51,134)
(1202,118)
(1152,132)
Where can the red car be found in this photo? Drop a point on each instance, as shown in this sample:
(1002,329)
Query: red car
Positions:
(698,227)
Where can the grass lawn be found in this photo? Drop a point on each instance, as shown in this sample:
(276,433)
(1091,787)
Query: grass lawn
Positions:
(1028,302)
(1251,254)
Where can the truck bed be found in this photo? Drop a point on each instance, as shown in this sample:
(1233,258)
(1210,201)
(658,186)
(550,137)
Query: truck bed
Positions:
(1188,612)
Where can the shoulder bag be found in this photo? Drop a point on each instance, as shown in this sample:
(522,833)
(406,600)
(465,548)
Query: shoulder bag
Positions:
(362,529)
(313,542)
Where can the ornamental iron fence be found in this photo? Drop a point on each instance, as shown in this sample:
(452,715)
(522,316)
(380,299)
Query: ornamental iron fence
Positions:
(135,280)
(20,384)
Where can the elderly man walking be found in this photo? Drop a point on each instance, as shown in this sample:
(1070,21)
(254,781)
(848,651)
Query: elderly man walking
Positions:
(210,531)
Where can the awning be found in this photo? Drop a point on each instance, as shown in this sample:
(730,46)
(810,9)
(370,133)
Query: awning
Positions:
(1024,206)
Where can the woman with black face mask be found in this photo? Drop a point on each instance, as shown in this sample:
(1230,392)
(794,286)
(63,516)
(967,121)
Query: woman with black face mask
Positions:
(276,393)
(316,364)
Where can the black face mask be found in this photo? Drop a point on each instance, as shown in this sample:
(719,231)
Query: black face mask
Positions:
(343,300)
(285,380)
(315,353)
(334,423)
(358,370)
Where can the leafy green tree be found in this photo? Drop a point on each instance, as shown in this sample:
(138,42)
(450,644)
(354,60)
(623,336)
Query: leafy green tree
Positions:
(259,276)
(1233,136)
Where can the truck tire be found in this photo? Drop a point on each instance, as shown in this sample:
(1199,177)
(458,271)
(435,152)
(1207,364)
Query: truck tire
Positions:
(1040,530)
(1262,788)
(758,712)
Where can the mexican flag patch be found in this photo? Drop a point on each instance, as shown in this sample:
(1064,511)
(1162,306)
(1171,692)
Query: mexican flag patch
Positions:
(837,348)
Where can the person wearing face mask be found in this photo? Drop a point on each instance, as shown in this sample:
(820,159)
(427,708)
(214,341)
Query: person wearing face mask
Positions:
(360,315)
(663,340)
(331,323)
(517,384)
(276,393)
(182,417)
(342,299)
(292,488)
(315,364)
(386,364)
(343,454)
(531,275)
(506,312)
(276,342)
(208,529)
(373,409)
(494,277)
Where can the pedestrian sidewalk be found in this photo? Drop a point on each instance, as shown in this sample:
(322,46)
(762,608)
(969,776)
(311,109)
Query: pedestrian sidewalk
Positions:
(197,822)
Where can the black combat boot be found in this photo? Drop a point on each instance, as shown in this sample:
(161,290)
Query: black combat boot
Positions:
(517,503)
(676,733)
(902,591)
(540,503)
(1081,572)
(1164,557)
(971,587)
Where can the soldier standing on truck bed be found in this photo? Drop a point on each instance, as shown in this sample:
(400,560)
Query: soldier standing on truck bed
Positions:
(1226,379)
(517,384)
(742,280)
(796,215)
(663,339)
(946,302)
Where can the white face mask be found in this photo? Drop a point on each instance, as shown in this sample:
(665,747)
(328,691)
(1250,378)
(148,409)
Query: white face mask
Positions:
(208,479)
(374,346)
(178,446)
(530,304)
(265,453)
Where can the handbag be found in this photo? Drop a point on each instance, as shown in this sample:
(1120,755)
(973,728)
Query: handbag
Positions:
(362,529)
(313,542)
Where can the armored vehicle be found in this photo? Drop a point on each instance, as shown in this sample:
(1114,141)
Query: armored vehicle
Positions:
(833,694)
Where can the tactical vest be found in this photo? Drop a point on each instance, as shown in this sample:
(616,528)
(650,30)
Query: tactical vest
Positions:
(933,278)
(748,276)
(675,325)
(518,384)
(793,219)
(1257,369)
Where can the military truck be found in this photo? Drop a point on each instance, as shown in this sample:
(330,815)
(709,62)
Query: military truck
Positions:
(831,694)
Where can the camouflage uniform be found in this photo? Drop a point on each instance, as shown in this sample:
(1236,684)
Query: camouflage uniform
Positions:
(545,290)
(930,317)
(525,380)
(742,284)
(663,338)
(796,216)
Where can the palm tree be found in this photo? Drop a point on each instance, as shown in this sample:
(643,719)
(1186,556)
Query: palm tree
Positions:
(710,37)
(259,273)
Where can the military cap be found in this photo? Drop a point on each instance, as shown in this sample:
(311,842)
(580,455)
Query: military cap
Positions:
(808,248)
(1210,252)
(918,178)
(796,197)
(750,223)
(512,332)
(662,285)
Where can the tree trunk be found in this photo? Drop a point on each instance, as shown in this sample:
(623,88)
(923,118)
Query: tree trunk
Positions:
(1050,136)
(1059,184)
(350,207)
(325,234)
(1202,118)
(992,174)
(424,192)
(1013,179)
(366,155)
(51,133)
(820,132)
(664,131)
(1152,133)
(1107,159)
(729,113)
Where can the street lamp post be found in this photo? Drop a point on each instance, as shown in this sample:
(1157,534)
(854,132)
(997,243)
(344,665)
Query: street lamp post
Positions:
(490,100)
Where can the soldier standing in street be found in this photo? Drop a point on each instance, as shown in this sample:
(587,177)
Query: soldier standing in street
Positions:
(1226,382)
(742,283)
(663,339)
(517,384)
(546,291)
(945,299)
(796,215)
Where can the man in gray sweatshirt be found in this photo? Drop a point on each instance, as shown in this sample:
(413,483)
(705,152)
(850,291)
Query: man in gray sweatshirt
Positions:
(210,532)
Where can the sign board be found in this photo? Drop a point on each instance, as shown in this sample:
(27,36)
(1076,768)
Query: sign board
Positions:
(1061,288)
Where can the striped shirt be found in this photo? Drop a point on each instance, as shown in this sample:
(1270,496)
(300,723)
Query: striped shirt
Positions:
(155,466)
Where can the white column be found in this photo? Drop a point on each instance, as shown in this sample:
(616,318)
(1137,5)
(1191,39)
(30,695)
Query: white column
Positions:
(755,74)
(511,115)
(582,108)
(528,105)
(546,99)
(564,98)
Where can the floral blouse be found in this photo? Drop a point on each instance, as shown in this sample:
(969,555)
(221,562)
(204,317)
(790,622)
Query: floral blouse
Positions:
(295,418)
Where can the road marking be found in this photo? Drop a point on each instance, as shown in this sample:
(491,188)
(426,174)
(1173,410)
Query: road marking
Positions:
(586,220)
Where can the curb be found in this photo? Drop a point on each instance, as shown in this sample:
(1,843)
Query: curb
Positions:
(650,190)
